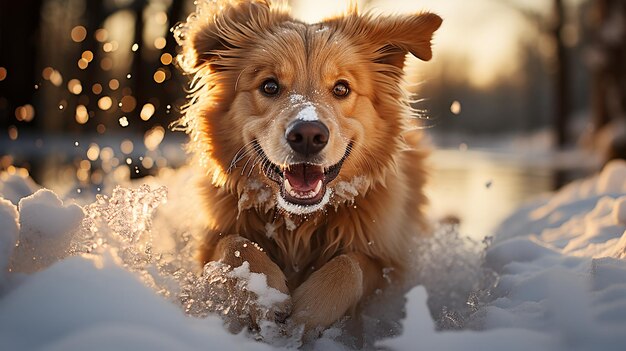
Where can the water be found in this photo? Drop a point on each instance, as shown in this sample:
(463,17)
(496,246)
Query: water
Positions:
(479,189)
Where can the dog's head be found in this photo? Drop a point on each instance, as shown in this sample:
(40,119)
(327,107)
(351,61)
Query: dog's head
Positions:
(298,107)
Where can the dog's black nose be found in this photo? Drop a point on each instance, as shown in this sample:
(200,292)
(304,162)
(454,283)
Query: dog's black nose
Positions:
(307,137)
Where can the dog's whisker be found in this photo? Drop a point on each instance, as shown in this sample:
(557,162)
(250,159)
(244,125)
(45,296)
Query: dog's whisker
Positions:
(239,155)
(246,165)
(256,162)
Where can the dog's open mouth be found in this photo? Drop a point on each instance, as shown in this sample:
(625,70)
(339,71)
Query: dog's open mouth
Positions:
(302,184)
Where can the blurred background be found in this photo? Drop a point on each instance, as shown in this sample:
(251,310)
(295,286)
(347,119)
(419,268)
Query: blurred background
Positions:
(521,97)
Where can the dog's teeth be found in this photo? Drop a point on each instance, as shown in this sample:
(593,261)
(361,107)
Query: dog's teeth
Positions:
(288,187)
(318,187)
(299,195)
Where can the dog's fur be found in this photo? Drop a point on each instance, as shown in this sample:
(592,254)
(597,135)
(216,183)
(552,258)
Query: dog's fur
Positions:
(327,260)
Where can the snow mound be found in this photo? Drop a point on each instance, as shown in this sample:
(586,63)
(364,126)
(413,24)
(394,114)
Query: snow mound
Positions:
(9,229)
(560,278)
(14,187)
(94,304)
(46,229)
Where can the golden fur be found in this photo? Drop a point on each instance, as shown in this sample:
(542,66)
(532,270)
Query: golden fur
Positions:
(329,260)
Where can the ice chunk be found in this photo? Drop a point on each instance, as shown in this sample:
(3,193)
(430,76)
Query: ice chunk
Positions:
(241,297)
(46,229)
(123,221)
(451,268)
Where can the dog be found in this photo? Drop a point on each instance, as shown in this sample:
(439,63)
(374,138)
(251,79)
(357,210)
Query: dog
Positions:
(314,170)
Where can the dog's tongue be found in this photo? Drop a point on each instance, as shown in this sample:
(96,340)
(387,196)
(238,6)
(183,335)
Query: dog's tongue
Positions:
(304,178)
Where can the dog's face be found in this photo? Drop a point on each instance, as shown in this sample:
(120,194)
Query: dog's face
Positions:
(306,105)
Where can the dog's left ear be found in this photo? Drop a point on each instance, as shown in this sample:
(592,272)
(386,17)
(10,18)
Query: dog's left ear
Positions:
(391,38)
(219,26)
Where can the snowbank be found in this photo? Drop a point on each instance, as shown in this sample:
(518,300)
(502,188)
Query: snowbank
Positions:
(94,304)
(47,227)
(553,279)
(9,228)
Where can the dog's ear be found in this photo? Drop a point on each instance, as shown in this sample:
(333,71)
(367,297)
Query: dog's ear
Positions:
(222,25)
(399,35)
(391,38)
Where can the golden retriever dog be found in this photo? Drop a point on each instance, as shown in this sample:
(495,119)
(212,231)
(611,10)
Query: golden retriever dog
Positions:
(314,170)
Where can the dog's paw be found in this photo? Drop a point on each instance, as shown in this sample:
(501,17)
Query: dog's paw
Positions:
(328,294)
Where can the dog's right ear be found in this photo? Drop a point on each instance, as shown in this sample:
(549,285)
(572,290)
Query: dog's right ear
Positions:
(390,38)
(222,25)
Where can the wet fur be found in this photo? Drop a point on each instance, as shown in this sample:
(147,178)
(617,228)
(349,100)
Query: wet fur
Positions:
(331,260)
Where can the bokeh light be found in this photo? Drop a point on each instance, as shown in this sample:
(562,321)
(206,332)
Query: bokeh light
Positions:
(147,111)
(82,116)
(105,103)
(127,146)
(159,76)
(78,34)
(74,86)
(25,113)
(114,84)
(154,137)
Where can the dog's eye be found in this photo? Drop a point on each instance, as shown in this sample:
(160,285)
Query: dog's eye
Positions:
(270,87)
(341,89)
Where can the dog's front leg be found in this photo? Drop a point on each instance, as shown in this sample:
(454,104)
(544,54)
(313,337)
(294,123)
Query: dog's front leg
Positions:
(234,250)
(335,288)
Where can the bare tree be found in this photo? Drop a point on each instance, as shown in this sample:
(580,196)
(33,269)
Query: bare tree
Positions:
(608,66)
(561,77)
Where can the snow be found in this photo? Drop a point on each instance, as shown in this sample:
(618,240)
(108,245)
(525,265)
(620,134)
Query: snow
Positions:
(296,98)
(257,283)
(94,304)
(119,272)
(46,229)
(9,229)
(308,113)
(16,186)
(296,209)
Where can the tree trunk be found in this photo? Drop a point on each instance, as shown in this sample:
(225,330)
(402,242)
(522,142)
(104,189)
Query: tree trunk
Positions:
(561,79)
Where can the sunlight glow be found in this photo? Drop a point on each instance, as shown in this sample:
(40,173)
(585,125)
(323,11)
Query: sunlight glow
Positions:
(315,11)
(480,41)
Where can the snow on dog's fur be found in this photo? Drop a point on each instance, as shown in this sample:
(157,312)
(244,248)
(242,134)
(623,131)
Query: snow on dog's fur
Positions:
(313,174)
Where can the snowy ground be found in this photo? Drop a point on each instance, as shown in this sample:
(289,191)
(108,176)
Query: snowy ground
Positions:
(118,273)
